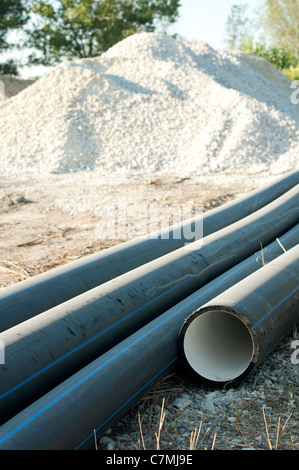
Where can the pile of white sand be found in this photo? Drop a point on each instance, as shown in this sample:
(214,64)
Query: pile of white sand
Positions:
(151,103)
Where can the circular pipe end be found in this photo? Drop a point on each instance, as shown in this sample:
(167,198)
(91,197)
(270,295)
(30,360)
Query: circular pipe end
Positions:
(217,346)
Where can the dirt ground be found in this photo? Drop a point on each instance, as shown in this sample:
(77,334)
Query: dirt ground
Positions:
(43,224)
(40,231)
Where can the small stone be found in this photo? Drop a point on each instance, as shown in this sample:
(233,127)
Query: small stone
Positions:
(107,443)
(182,403)
(231,419)
(212,395)
(208,405)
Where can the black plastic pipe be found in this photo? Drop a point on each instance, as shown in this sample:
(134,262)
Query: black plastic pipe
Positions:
(230,336)
(53,345)
(30,297)
(101,393)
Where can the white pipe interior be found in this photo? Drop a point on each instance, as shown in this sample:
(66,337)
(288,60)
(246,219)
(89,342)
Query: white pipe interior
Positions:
(218,345)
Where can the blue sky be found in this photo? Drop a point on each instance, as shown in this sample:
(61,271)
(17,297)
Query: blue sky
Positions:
(205,19)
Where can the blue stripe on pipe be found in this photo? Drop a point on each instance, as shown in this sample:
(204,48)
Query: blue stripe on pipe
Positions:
(275,307)
(45,408)
(125,318)
(89,263)
(61,274)
(128,401)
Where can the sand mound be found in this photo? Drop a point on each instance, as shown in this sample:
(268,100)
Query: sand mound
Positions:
(151,103)
(268,70)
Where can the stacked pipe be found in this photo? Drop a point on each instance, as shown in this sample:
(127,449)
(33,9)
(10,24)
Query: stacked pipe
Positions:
(30,297)
(48,348)
(76,374)
(233,334)
(102,392)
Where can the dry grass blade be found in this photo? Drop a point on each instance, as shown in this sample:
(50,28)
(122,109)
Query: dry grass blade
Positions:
(12,271)
(195,437)
(205,434)
(267,432)
(262,253)
(95,440)
(294,444)
(285,424)
(281,245)
(277,435)
(18,268)
(214,440)
(161,422)
(141,433)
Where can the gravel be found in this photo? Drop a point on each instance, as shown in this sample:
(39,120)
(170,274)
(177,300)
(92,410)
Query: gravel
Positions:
(151,104)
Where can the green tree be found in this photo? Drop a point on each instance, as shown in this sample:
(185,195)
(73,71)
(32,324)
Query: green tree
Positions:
(9,67)
(237,26)
(65,29)
(281,57)
(278,25)
(280,20)
(13,15)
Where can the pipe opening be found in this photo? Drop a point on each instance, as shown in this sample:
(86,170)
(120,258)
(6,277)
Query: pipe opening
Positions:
(218,345)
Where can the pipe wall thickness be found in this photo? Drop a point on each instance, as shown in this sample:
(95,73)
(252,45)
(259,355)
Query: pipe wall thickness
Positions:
(53,345)
(25,299)
(102,392)
(228,338)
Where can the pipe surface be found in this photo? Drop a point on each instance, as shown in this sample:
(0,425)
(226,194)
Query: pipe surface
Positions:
(30,297)
(229,337)
(53,345)
(102,392)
